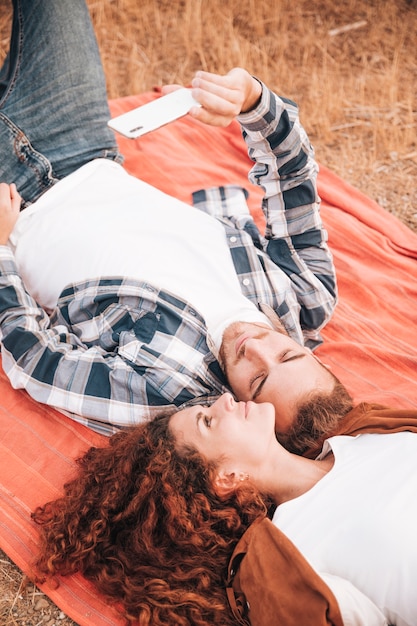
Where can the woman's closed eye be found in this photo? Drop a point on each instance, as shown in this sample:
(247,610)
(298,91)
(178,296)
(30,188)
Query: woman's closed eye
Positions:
(206,419)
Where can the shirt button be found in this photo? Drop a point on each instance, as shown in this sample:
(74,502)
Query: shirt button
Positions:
(246,282)
(233,239)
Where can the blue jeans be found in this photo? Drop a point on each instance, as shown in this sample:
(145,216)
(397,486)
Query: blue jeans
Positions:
(53,100)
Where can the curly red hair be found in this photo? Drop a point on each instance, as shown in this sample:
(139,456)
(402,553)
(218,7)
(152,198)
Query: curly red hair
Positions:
(142,522)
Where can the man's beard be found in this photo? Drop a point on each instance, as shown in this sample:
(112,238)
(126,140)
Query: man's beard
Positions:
(316,419)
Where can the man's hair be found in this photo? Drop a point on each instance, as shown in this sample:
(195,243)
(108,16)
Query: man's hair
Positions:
(143,523)
(316,419)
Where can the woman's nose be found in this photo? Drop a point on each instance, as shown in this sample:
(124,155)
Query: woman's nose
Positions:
(226,402)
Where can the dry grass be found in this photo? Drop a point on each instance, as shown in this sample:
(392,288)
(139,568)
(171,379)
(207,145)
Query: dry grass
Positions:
(355,87)
(350,65)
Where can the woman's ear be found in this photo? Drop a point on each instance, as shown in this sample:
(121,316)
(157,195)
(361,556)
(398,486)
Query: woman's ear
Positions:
(227,481)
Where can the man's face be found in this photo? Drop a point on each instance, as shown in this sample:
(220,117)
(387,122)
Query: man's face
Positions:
(264,365)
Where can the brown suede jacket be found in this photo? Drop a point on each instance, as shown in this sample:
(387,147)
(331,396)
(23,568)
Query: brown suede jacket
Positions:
(280,587)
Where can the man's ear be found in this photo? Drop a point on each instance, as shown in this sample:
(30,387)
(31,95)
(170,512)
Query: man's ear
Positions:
(227,481)
(321,362)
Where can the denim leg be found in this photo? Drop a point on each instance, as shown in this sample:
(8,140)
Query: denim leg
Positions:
(53,100)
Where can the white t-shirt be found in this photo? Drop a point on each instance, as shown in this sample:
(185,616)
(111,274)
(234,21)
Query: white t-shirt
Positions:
(359,522)
(101,221)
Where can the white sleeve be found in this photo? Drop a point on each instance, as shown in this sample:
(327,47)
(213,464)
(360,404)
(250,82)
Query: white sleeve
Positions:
(355,607)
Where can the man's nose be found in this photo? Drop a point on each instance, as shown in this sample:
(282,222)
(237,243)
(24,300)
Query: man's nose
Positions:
(256,350)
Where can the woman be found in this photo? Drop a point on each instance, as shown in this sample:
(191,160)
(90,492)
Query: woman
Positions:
(137,520)
(152,520)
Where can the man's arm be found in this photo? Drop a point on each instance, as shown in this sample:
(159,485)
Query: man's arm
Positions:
(287,171)
(113,353)
(56,368)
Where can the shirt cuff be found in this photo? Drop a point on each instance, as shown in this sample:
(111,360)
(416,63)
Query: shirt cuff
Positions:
(259,117)
(225,201)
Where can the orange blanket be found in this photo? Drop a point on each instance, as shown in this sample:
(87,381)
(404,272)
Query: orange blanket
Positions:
(371,342)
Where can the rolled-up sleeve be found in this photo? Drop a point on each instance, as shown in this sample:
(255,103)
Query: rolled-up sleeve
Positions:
(296,240)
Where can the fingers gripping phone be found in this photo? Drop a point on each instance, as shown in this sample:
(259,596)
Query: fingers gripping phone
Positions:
(154,114)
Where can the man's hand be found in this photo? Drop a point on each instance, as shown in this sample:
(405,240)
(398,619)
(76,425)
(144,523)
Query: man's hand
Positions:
(9,210)
(222,98)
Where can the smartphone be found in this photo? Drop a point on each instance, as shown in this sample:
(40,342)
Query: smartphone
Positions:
(154,114)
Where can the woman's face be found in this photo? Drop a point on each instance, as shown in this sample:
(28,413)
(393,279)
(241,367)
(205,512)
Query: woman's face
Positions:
(236,432)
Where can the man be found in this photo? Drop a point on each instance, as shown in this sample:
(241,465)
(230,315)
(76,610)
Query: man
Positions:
(113,329)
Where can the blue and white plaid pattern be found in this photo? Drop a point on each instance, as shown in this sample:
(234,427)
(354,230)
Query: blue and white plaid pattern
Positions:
(118,351)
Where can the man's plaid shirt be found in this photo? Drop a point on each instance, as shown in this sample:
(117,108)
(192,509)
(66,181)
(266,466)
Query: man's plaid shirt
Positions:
(117,351)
